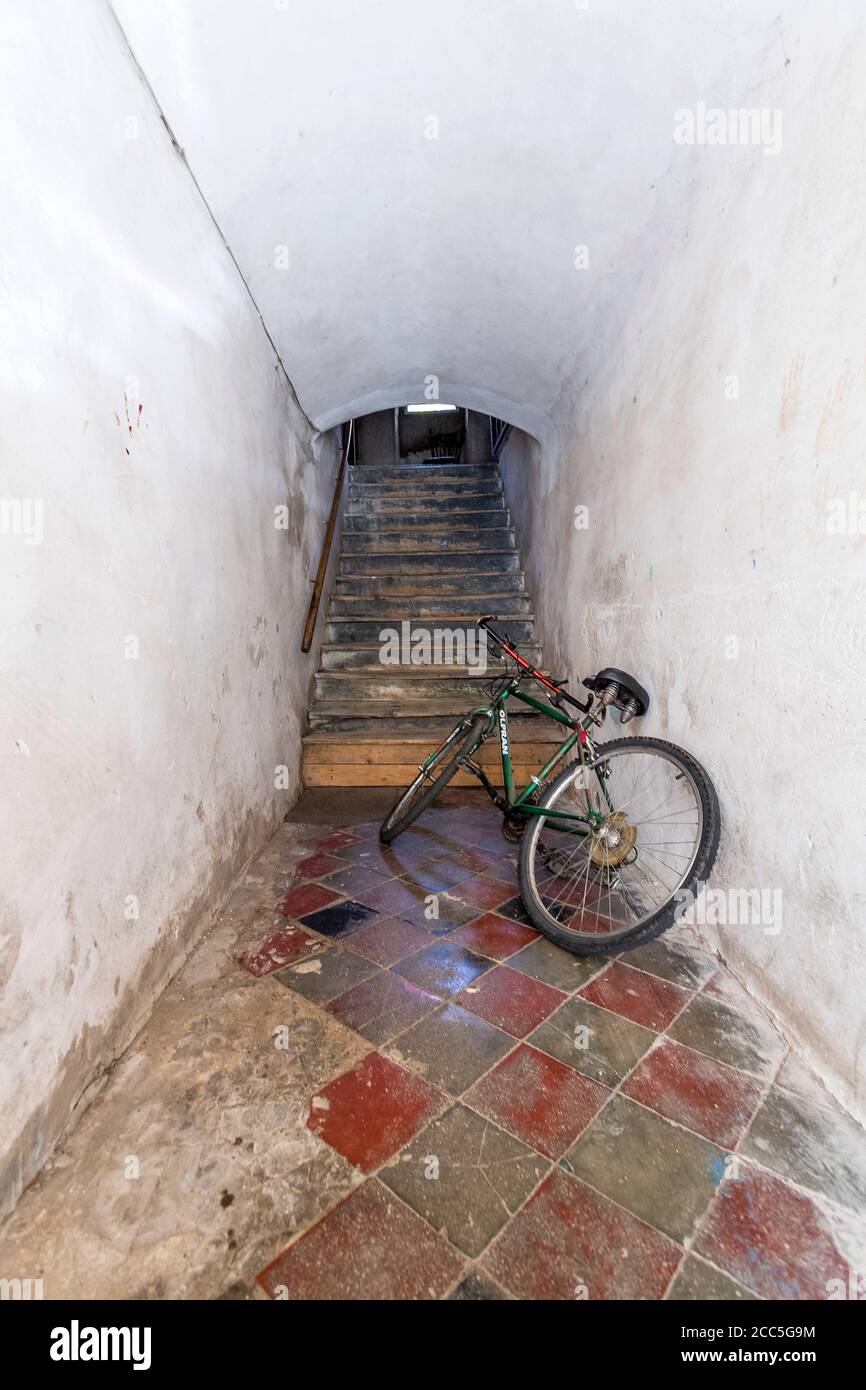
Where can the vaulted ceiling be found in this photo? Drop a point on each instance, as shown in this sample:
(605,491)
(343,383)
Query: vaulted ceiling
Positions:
(404,185)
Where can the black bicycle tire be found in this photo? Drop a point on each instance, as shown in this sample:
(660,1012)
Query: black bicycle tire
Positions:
(387,834)
(664,918)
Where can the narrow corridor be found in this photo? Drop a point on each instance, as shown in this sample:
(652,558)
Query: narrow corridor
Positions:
(346,1095)
(327,332)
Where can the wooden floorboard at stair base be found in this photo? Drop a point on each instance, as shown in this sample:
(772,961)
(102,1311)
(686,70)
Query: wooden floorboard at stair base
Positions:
(428,543)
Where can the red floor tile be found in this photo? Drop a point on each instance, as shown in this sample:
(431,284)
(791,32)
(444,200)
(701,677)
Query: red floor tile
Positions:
(538,1099)
(569,1242)
(511,1000)
(307,897)
(390,939)
(434,875)
(484,893)
(486,861)
(371,1246)
(335,840)
(370,1112)
(773,1239)
(695,1091)
(494,936)
(491,839)
(282,946)
(317,865)
(392,898)
(643,998)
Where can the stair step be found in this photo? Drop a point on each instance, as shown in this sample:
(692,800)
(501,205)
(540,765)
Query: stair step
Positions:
(369,756)
(364,628)
(346,712)
(428,606)
(425,505)
(390,562)
(424,726)
(364,657)
(390,684)
(430,546)
(359,775)
(416,474)
(408,542)
(376,773)
(429,524)
(407,493)
(379,587)
(372,731)
(419,608)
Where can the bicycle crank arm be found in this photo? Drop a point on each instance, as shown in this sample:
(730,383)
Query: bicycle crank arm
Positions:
(498,801)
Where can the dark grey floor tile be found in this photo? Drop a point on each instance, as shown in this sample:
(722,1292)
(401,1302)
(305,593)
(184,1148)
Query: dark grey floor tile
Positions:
(812,1145)
(451,1048)
(465,1176)
(747,1042)
(593,1041)
(663,1174)
(325,976)
(700,1283)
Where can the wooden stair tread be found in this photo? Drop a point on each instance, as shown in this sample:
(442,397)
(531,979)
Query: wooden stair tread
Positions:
(373,732)
(408,673)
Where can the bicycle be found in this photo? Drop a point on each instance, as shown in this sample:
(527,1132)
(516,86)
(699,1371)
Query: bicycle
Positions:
(603,862)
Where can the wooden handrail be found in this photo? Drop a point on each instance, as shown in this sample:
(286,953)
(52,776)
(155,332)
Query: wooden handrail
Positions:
(313,610)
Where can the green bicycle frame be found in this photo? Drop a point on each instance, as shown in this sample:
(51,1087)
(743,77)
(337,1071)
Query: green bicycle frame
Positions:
(516,800)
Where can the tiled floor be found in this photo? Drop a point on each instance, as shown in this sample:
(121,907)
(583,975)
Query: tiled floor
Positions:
(373,1079)
(573,1128)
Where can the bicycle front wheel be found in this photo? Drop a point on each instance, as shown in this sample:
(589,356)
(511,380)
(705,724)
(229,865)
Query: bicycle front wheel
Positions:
(648,831)
(433,775)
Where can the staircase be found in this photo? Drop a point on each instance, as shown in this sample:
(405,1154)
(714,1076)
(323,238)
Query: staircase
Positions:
(432,545)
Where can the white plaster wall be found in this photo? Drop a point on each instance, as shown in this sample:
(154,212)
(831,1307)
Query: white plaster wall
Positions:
(708,520)
(152,777)
(307,126)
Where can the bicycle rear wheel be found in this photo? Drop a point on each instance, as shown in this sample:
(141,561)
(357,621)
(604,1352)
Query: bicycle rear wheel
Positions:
(652,832)
(434,775)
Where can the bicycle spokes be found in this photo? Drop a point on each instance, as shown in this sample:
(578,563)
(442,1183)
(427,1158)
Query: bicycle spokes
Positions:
(642,823)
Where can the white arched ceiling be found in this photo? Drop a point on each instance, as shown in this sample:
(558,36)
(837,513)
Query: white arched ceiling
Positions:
(308,127)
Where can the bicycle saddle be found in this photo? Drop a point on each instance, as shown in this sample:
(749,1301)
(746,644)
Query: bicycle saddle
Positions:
(632,689)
